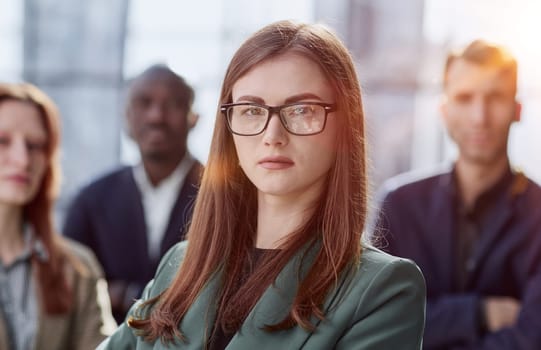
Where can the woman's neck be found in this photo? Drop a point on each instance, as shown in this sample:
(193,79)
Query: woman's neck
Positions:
(277,217)
(11,233)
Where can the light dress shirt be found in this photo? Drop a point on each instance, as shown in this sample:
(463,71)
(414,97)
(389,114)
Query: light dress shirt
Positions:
(18,294)
(158,201)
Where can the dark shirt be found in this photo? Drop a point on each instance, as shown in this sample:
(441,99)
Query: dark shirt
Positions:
(474,220)
(219,338)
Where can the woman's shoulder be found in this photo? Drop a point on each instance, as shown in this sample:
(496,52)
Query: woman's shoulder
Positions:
(376,266)
(167,269)
(372,255)
(173,258)
(80,258)
(386,283)
(371,307)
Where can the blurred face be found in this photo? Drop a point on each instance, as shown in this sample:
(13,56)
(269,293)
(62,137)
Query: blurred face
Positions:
(23,161)
(478,111)
(157,119)
(277,162)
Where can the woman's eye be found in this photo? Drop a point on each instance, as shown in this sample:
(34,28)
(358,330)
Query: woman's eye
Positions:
(35,146)
(301,111)
(254,111)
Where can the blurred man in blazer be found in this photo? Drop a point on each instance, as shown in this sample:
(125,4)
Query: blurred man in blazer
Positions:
(133,215)
(473,228)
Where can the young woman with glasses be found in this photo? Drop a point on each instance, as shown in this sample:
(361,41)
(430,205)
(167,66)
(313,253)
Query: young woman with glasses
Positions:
(274,257)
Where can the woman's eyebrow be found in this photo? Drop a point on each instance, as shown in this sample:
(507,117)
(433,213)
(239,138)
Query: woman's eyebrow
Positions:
(302,97)
(291,99)
(250,98)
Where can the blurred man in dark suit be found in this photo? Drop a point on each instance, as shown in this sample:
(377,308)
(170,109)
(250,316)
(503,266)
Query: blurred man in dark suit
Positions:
(133,215)
(473,228)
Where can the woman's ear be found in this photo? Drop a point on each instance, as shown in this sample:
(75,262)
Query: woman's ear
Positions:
(517,111)
(192,119)
(443,108)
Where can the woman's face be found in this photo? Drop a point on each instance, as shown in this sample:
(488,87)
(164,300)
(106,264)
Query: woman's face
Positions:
(23,140)
(277,162)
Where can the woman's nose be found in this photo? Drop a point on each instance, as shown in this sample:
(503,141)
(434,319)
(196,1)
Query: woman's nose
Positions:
(18,152)
(275,133)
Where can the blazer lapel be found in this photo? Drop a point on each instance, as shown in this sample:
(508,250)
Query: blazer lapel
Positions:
(199,320)
(273,307)
(53,330)
(442,220)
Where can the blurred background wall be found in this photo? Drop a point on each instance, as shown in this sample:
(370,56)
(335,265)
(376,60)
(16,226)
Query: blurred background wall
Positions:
(81,53)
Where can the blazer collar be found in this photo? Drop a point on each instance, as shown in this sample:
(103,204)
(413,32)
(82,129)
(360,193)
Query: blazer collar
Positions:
(272,307)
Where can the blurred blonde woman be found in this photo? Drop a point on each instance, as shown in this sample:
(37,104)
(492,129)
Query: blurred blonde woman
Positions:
(52,294)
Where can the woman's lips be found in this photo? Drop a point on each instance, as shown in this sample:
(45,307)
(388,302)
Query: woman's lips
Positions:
(20,179)
(276,163)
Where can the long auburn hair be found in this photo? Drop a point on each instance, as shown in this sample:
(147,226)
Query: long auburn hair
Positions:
(223,226)
(53,286)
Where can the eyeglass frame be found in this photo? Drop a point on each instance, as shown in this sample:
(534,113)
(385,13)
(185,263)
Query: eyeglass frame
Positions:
(327,107)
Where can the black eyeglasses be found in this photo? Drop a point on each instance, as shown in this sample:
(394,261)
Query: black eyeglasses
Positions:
(300,118)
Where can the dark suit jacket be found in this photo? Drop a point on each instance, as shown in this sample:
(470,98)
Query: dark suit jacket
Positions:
(108,217)
(381,306)
(417,221)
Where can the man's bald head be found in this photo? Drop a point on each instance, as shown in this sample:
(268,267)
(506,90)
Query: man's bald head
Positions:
(159,114)
(183,92)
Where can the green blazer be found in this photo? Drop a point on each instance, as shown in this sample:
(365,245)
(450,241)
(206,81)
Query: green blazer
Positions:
(381,305)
